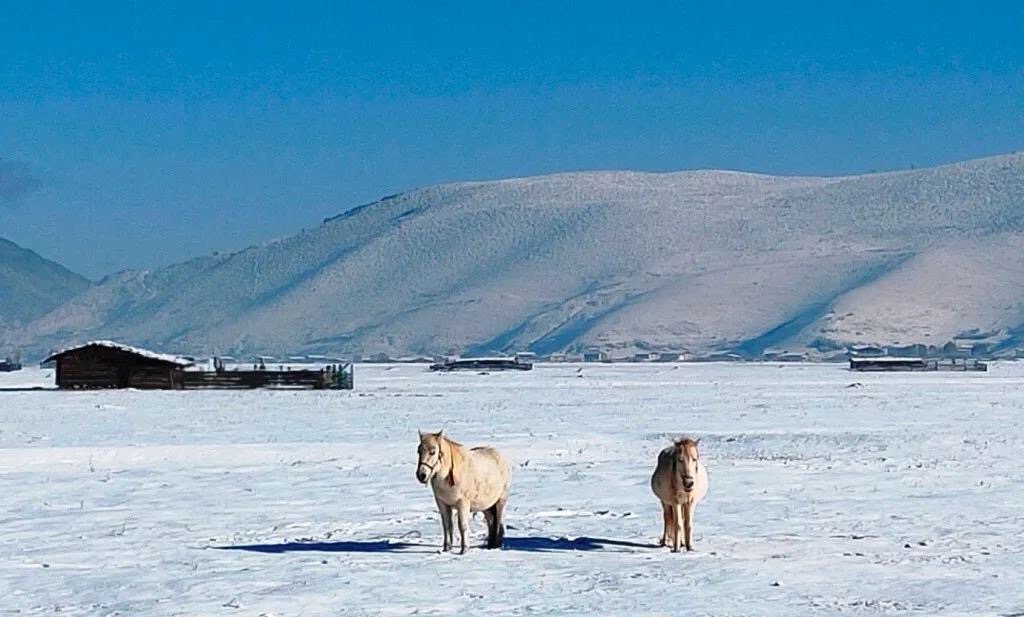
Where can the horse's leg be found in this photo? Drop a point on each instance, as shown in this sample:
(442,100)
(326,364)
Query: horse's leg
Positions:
(446,523)
(499,521)
(463,507)
(677,515)
(491,522)
(672,524)
(688,509)
(449,528)
(666,522)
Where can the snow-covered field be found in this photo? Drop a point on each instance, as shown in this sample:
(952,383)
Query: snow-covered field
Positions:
(902,495)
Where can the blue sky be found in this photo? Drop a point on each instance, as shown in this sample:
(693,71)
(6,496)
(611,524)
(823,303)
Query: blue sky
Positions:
(137,134)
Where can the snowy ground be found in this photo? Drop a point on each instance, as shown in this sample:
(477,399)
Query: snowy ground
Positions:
(904,495)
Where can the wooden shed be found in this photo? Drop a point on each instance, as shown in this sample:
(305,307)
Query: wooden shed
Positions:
(106,364)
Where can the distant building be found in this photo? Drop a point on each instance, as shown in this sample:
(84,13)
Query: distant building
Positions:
(526,356)
(482,364)
(917,350)
(106,364)
(671,356)
(723,356)
(972,347)
(10,365)
(792,356)
(958,349)
(867,351)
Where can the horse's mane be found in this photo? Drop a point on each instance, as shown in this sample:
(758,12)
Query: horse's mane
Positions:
(458,459)
(451,441)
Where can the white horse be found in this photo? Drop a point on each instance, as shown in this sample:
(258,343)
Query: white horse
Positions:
(680,481)
(466,481)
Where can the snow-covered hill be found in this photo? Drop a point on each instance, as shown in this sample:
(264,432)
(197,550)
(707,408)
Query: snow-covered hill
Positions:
(31,286)
(699,261)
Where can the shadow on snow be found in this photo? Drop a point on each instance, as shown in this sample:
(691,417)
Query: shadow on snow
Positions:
(542,544)
(347,546)
(532,544)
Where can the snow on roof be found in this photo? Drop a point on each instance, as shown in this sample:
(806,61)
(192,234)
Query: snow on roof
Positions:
(884,359)
(145,353)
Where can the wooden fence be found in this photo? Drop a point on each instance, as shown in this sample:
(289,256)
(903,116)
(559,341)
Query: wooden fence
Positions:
(334,377)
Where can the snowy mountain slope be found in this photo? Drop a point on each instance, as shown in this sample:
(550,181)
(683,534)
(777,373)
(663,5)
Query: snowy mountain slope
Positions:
(31,286)
(969,287)
(702,260)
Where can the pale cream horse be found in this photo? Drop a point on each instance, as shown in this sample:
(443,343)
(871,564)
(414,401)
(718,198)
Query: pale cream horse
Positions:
(680,481)
(465,481)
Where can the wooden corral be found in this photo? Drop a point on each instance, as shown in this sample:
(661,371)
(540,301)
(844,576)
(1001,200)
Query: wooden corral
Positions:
(888,364)
(105,364)
(332,377)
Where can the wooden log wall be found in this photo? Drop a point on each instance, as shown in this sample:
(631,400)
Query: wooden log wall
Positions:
(104,368)
(249,379)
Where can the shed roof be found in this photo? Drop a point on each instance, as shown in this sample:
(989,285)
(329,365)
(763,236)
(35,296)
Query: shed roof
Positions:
(883,359)
(138,351)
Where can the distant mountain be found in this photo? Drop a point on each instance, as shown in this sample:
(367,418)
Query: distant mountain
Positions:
(31,286)
(703,261)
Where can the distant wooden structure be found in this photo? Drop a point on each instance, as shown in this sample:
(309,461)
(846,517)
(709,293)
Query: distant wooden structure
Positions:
(482,364)
(9,366)
(331,377)
(889,363)
(106,364)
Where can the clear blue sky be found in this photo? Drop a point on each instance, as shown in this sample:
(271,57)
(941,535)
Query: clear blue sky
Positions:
(136,134)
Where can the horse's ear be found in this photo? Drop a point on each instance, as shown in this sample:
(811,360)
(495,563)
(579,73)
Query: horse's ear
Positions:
(420,433)
(440,433)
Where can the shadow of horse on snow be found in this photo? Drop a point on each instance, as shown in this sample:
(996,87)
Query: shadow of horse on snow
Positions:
(530,544)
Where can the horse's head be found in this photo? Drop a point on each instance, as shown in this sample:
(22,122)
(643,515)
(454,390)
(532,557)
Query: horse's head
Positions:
(687,457)
(429,455)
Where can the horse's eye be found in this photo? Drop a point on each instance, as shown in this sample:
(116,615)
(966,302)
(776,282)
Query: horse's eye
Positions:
(433,451)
